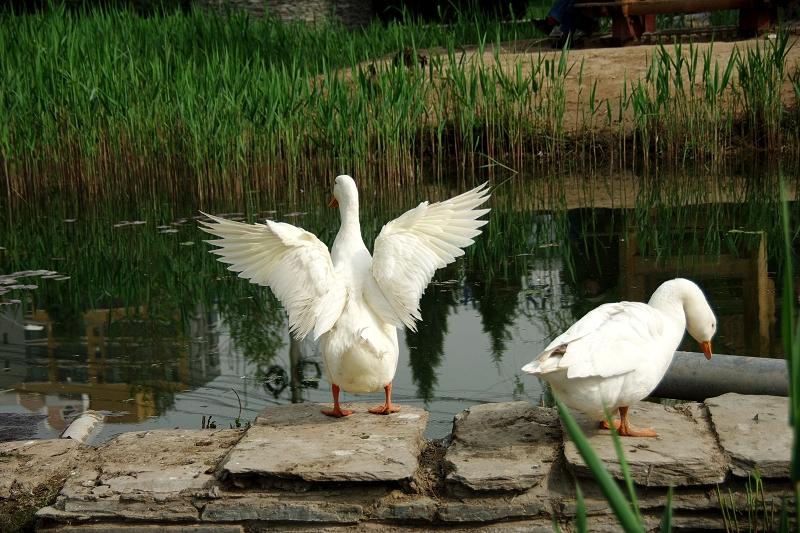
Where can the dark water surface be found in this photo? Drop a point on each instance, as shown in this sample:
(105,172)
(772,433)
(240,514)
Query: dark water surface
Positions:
(120,308)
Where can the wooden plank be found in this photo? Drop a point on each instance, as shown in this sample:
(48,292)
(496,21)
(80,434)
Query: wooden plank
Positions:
(655,7)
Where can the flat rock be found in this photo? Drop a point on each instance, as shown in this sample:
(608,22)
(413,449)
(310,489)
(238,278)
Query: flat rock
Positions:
(503,446)
(316,506)
(145,475)
(26,465)
(754,431)
(299,442)
(684,453)
(490,507)
(141,528)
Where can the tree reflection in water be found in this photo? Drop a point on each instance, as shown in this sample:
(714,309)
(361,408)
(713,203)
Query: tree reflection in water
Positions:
(426,345)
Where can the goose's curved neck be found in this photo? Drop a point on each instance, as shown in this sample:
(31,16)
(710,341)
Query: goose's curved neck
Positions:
(668,298)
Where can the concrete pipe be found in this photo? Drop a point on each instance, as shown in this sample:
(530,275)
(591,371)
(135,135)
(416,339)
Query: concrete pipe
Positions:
(692,377)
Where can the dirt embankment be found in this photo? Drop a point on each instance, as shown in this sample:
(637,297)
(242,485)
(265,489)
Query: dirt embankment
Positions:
(610,68)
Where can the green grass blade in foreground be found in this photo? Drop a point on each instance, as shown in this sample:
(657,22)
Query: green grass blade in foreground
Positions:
(626,471)
(791,342)
(580,510)
(619,504)
(666,518)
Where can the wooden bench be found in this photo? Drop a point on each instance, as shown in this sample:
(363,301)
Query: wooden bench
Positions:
(631,18)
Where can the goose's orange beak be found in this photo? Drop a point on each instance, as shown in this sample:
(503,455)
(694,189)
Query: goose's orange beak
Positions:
(706,346)
(334,202)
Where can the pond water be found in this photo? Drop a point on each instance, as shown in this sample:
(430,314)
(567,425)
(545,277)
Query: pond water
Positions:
(120,308)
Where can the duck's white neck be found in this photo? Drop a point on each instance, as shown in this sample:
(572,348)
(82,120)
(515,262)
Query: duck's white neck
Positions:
(670,298)
(350,219)
(348,241)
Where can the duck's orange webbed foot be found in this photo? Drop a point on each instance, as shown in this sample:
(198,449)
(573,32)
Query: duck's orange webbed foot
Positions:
(387,407)
(625,429)
(337,411)
(603,424)
(384,409)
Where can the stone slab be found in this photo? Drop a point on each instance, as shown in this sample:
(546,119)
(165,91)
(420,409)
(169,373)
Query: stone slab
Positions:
(399,506)
(25,465)
(142,528)
(491,507)
(503,446)
(315,506)
(754,431)
(145,475)
(299,442)
(684,453)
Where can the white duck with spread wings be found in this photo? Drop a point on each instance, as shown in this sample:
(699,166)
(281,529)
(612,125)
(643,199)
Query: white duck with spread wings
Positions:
(352,301)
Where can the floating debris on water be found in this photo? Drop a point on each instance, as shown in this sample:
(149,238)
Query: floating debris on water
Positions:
(294,214)
(69,220)
(33,327)
(179,222)
(28,273)
(126,223)
(11,282)
(187,243)
(171,230)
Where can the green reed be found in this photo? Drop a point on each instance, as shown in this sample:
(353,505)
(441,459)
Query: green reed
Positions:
(108,104)
(691,106)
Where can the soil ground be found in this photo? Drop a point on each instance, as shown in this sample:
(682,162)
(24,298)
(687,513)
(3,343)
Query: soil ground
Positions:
(610,67)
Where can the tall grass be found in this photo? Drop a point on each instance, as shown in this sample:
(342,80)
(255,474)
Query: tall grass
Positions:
(108,104)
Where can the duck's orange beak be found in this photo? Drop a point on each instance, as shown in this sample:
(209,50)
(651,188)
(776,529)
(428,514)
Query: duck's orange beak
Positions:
(334,202)
(706,346)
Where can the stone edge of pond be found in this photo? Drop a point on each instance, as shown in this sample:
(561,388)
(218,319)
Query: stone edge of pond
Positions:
(505,464)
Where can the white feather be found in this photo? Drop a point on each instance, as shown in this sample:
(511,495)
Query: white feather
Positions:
(290,261)
(617,353)
(352,302)
(410,248)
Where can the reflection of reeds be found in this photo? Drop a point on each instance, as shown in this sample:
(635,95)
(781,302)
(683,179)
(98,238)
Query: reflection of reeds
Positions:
(108,103)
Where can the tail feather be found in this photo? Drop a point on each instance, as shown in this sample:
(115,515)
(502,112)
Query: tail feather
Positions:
(544,363)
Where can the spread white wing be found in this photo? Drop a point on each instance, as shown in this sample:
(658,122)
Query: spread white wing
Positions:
(608,341)
(411,247)
(289,260)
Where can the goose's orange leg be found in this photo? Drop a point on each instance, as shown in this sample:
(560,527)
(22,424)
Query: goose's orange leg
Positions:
(625,429)
(337,411)
(388,407)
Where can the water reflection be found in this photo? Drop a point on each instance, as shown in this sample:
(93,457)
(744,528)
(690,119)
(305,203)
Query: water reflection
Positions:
(155,333)
(127,362)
